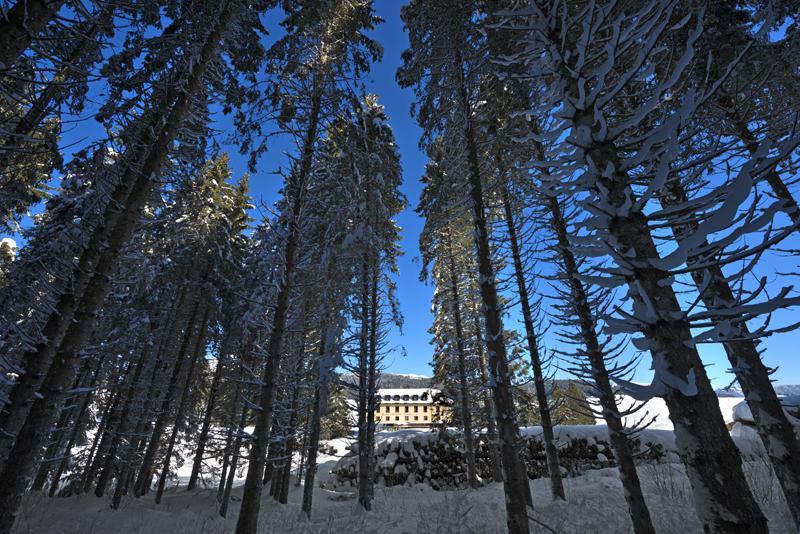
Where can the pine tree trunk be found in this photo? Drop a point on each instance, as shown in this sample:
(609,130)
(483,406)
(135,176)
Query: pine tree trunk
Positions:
(321,392)
(33,416)
(21,24)
(776,432)
(283,489)
(144,477)
(553,466)
(743,132)
(247,523)
(364,452)
(372,380)
(122,428)
(136,441)
(76,429)
(234,411)
(723,500)
(101,437)
(56,435)
(488,403)
(303,450)
(199,349)
(206,427)
(515,480)
(237,447)
(637,507)
(464,396)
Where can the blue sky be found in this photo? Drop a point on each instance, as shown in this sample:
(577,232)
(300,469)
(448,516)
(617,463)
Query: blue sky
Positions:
(414,296)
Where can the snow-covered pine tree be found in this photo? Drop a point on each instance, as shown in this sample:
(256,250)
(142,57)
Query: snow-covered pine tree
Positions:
(615,163)
(149,139)
(324,45)
(516,236)
(445,63)
(447,253)
(31,113)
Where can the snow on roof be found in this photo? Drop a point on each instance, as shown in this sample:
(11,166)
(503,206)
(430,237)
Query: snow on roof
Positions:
(407,394)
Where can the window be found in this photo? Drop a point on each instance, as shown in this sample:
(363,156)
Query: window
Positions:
(397,409)
(406,409)
(396,417)
(424,417)
(387,397)
(405,397)
(425,409)
(416,418)
(388,409)
(397,397)
(416,409)
(415,397)
(406,418)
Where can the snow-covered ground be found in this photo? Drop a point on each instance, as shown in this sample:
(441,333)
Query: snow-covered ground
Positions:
(595,504)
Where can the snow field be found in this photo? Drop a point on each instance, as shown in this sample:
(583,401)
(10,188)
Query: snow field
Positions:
(595,503)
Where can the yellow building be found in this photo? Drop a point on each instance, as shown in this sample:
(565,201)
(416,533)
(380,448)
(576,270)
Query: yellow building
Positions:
(409,408)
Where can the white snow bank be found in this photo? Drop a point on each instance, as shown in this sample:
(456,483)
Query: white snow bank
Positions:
(656,409)
(791,405)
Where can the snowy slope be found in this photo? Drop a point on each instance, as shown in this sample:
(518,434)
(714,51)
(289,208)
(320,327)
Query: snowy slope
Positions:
(656,409)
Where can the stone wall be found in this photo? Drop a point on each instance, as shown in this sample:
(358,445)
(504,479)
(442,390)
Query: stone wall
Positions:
(437,458)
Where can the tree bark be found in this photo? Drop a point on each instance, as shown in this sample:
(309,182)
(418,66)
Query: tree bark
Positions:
(206,427)
(76,430)
(551,452)
(283,490)
(199,348)
(143,479)
(321,392)
(515,483)
(776,432)
(724,502)
(101,438)
(57,434)
(372,379)
(637,507)
(247,522)
(488,403)
(464,396)
(364,452)
(137,440)
(237,447)
(33,416)
(122,428)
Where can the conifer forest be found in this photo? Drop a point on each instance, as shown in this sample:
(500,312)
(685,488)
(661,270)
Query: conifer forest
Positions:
(230,229)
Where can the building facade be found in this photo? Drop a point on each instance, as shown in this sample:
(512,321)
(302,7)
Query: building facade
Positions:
(409,408)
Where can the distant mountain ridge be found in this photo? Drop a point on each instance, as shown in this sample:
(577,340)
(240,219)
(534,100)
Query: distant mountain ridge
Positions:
(407,380)
(787,390)
(393,380)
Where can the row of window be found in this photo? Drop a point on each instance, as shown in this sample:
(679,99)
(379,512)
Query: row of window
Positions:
(423,397)
(397,409)
(388,418)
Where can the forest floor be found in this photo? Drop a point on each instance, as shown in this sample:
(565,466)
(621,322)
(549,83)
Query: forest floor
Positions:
(595,503)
